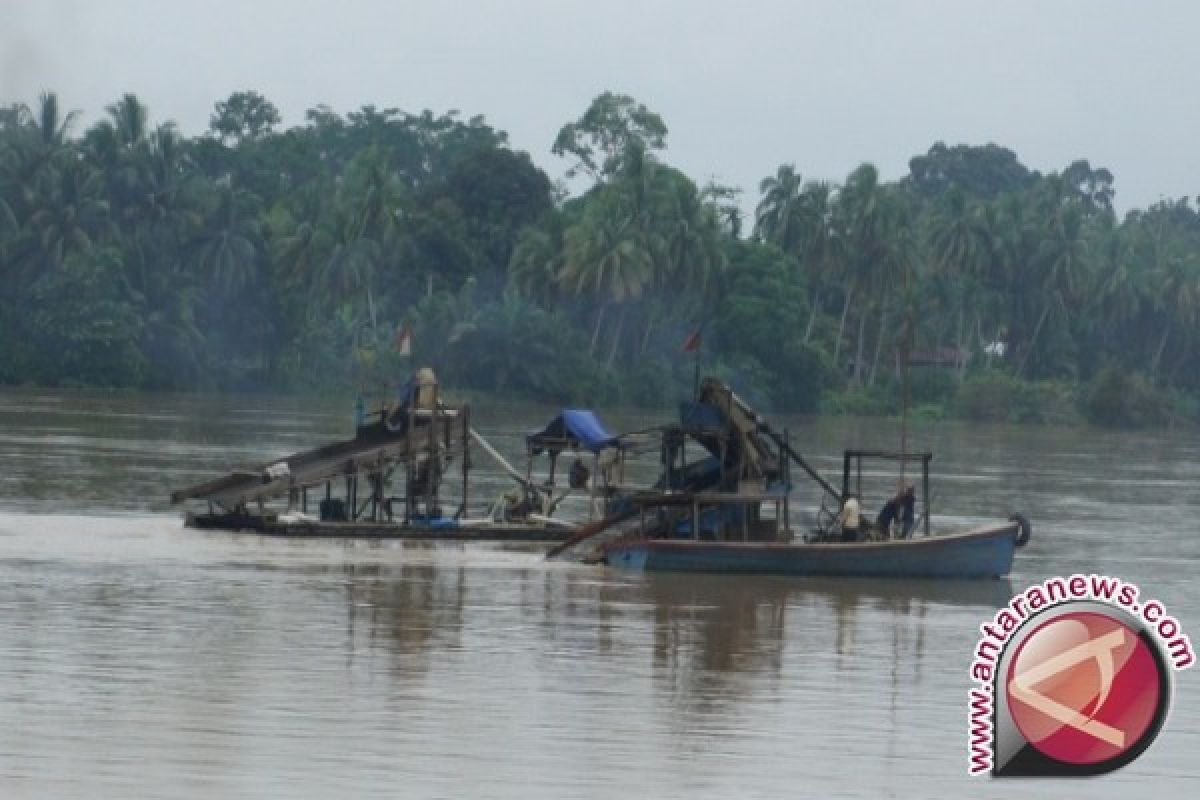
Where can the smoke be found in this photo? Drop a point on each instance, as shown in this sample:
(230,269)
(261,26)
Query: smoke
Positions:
(32,38)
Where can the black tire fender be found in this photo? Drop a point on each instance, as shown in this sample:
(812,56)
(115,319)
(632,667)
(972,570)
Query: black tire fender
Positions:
(1024,528)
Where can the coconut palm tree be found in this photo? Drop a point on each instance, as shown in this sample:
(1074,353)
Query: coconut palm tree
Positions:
(130,121)
(605,256)
(865,219)
(37,147)
(780,217)
(691,239)
(536,262)
(960,247)
(1178,279)
(67,218)
(228,246)
(819,249)
(49,123)
(1062,257)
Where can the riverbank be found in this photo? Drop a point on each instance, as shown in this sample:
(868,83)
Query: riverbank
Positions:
(1113,399)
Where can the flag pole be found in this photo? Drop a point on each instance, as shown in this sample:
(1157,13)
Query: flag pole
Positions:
(692,345)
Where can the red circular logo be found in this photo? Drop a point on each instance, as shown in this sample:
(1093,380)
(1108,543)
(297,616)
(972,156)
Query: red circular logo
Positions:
(1084,688)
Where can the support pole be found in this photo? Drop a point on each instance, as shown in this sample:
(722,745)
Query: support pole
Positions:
(925,490)
(787,490)
(434,467)
(466,456)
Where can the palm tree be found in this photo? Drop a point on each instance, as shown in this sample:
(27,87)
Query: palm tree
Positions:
(691,240)
(50,125)
(960,247)
(780,217)
(129,119)
(1063,259)
(864,221)
(68,217)
(536,262)
(38,146)
(227,249)
(301,249)
(820,248)
(893,283)
(604,256)
(1179,296)
(350,268)
(1117,296)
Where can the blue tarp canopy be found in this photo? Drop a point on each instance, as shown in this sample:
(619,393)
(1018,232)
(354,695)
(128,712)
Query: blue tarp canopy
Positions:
(570,430)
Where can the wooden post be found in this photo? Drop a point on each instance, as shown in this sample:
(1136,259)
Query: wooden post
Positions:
(466,454)
(722,454)
(376,480)
(666,454)
(925,489)
(787,490)
(431,473)
(408,486)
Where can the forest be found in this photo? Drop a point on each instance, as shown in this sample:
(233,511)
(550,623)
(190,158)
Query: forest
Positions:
(257,258)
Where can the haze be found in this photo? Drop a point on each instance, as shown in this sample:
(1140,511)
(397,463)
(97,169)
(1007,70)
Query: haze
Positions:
(743,87)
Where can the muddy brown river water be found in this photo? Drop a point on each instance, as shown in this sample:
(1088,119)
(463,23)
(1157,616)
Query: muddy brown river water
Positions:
(139,659)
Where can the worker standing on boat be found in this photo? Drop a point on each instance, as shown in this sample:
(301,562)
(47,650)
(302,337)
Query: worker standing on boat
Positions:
(577,478)
(908,512)
(887,515)
(850,519)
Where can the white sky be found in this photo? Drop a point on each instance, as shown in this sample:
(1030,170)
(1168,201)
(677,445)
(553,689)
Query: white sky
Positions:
(742,86)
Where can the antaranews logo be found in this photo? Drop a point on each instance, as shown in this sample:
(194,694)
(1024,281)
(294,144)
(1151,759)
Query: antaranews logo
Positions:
(1073,677)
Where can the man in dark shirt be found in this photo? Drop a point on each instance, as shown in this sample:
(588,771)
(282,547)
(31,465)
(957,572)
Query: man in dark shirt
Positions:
(887,515)
(908,512)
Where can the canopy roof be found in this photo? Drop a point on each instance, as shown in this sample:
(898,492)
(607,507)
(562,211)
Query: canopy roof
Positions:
(571,430)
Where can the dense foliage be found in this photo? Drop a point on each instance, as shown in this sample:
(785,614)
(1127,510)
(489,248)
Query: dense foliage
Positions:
(254,257)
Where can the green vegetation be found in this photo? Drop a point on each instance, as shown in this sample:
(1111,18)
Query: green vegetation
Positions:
(252,257)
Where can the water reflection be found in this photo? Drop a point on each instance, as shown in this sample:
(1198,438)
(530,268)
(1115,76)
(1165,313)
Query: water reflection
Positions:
(412,612)
(709,640)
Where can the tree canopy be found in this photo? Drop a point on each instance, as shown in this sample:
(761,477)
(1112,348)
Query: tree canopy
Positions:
(253,256)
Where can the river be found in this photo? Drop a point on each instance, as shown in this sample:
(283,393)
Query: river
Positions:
(141,659)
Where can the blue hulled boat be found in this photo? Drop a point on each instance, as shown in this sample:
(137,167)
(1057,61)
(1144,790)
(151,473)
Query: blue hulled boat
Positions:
(729,510)
(981,553)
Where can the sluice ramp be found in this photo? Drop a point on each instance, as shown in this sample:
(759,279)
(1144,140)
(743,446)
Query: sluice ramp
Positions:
(751,427)
(376,448)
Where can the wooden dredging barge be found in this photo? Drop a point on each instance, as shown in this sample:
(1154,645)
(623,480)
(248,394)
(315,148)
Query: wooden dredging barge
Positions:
(729,512)
(414,446)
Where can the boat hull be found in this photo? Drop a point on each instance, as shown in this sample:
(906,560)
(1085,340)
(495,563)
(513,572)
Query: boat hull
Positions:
(982,553)
(460,531)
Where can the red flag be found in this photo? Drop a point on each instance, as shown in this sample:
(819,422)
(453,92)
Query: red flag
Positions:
(692,343)
(404,340)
